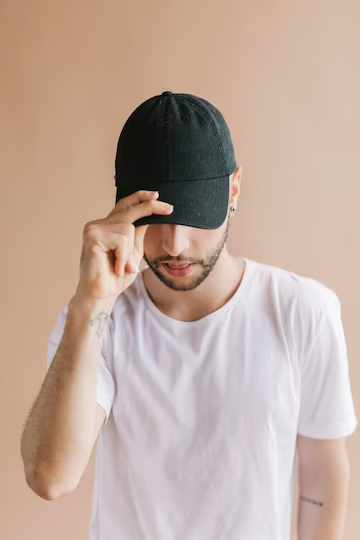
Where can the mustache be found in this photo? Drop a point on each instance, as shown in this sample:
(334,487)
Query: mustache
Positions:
(180,258)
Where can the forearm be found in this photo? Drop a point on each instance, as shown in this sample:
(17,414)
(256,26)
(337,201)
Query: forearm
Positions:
(58,437)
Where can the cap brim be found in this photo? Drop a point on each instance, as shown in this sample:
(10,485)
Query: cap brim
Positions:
(202,204)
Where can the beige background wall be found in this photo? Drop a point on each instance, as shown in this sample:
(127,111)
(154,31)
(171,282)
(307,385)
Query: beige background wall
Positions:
(286,78)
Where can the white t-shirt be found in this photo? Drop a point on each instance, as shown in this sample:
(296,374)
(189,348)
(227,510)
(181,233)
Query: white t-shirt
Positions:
(202,417)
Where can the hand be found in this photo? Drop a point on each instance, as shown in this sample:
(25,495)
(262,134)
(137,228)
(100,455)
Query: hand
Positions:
(113,248)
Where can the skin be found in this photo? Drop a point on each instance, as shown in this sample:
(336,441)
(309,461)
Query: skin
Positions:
(57,443)
(322,489)
(323,474)
(215,275)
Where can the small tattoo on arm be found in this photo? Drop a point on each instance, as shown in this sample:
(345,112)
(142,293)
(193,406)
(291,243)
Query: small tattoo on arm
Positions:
(101,321)
(311,501)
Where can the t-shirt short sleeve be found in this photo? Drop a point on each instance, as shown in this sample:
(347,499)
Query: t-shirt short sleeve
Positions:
(105,384)
(326,403)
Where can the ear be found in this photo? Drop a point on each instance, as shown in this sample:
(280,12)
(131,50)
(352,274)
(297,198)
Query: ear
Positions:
(235,187)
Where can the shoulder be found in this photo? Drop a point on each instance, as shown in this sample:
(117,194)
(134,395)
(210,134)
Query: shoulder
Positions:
(299,304)
(292,290)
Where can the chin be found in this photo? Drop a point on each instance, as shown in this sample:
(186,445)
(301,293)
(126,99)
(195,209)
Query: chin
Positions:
(183,284)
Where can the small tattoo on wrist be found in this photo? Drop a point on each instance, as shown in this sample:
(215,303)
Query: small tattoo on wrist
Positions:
(100,320)
(311,501)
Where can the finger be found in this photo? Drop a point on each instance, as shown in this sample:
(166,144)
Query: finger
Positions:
(148,208)
(126,259)
(138,211)
(143,265)
(125,252)
(121,256)
(136,198)
(139,240)
(132,265)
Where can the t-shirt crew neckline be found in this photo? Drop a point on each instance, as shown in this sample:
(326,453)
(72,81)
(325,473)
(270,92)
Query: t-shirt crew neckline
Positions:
(218,313)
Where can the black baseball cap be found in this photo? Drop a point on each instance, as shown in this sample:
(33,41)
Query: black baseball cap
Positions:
(180,146)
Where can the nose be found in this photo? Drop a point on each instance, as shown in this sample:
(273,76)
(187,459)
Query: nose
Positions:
(175,239)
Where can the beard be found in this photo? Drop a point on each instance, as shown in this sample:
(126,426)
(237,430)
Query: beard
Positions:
(207,265)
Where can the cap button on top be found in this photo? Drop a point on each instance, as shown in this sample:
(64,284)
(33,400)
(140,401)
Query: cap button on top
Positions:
(167,93)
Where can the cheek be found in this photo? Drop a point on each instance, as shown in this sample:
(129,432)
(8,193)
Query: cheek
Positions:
(207,238)
(152,239)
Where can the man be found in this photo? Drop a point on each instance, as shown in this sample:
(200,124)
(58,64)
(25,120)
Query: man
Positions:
(205,373)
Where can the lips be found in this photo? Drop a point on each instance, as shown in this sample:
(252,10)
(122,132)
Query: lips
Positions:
(177,265)
(178,269)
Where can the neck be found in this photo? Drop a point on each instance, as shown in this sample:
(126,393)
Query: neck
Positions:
(214,292)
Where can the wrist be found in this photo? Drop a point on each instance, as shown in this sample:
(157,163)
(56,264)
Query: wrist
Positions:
(90,307)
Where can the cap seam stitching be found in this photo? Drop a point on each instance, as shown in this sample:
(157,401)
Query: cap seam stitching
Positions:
(206,116)
(164,138)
